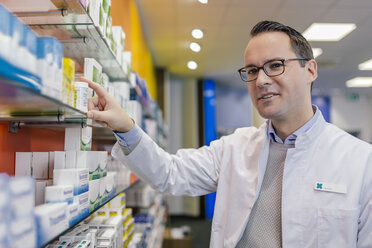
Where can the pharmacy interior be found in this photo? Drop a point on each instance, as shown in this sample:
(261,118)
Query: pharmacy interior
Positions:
(172,65)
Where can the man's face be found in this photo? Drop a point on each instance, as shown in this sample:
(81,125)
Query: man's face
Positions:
(285,96)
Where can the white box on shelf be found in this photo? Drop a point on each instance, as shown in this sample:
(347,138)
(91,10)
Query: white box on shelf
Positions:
(40,186)
(123,88)
(23,163)
(57,160)
(111,180)
(78,177)
(82,159)
(102,189)
(70,159)
(83,201)
(94,6)
(94,194)
(119,38)
(106,81)
(72,138)
(102,162)
(118,201)
(22,196)
(17,30)
(29,50)
(40,164)
(5,33)
(22,232)
(92,70)
(51,220)
(93,163)
(82,96)
(58,60)
(59,193)
(73,213)
(86,138)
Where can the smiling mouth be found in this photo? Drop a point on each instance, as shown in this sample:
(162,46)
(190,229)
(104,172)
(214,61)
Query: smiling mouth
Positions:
(267,96)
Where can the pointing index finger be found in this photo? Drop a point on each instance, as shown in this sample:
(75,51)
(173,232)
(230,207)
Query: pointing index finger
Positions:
(96,87)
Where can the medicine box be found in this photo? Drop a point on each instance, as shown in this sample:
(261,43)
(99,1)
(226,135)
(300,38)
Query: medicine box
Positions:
(40,161)
(23,163)
(94,194)
(51,220)
(78,178)
(59,193)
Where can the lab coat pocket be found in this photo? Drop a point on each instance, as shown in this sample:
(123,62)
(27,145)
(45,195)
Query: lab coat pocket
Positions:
(337,227)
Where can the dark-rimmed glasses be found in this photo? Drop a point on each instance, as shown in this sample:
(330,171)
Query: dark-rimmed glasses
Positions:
(271,68)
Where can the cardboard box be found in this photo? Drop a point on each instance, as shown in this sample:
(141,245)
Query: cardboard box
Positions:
(170,242)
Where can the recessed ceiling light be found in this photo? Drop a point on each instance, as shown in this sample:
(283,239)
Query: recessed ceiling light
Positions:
(328,31)
(197,33)
(195,47)
(317,52)
(359,82)
(367,65)
(203,1)
(192,65)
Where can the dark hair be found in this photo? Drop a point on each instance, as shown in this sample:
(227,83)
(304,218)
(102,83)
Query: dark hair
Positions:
(299,44)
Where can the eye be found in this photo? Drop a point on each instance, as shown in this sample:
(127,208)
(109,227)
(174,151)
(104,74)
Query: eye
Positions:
(252,70)
(275,65)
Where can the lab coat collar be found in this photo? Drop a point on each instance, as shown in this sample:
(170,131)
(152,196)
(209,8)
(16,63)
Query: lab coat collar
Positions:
(304,139)
(308,136)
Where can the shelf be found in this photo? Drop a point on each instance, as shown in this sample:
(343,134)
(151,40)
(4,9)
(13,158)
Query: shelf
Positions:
(84,41)
(80,37)
(20,98)
(118,191)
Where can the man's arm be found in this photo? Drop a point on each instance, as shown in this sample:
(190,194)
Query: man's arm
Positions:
(189,172)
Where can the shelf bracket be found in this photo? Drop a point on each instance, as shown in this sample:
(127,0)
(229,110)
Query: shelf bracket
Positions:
(84,40)
(14,126)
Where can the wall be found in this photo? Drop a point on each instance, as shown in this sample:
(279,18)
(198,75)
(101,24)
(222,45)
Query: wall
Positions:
(27,140)
(125,13)
(181,113)
(233,107)
(352,115)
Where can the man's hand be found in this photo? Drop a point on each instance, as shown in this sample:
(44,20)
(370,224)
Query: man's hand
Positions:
(106,111)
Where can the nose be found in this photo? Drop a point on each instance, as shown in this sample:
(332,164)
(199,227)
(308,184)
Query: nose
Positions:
(262,78)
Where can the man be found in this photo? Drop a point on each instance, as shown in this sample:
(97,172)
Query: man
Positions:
(296,181)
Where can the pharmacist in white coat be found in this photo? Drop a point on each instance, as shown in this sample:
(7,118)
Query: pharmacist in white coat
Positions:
(296,181)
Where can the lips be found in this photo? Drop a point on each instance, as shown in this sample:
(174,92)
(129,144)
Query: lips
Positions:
(267,96)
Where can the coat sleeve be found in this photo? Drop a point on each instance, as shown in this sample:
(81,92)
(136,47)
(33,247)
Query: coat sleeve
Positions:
(189,172)
(365,220)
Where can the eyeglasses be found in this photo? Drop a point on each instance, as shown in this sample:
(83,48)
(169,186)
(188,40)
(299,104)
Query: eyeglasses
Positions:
(271,68)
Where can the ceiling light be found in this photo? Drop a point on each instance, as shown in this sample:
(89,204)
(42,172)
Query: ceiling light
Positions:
(197,33)
(192,65)
(317,52)
(367,65)
(328,31)
(203,1)
(359,82)
(195,47)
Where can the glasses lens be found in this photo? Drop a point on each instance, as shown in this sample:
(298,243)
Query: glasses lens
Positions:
(243,74)
(274,68)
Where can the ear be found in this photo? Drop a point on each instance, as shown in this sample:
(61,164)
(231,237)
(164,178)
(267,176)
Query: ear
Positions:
(312,68)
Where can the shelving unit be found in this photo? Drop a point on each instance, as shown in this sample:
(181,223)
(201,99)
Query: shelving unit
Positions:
(118,191)
(21,102)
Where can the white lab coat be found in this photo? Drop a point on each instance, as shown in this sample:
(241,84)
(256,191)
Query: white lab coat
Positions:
(234,166)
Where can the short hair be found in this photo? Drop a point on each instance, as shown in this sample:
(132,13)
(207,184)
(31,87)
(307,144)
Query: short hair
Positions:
(299,44)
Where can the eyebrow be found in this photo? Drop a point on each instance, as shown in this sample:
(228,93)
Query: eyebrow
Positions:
(268,60)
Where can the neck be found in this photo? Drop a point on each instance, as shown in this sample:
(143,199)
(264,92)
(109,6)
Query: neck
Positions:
(285,127)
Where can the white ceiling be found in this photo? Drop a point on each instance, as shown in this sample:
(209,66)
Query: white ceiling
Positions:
(227,23)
